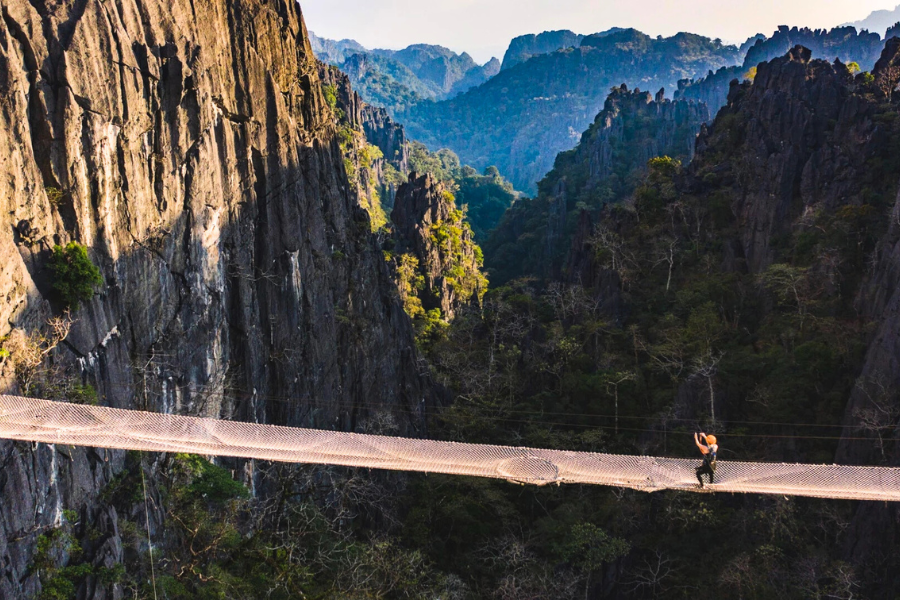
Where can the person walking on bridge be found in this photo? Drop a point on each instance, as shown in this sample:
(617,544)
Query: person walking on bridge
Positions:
(709,448)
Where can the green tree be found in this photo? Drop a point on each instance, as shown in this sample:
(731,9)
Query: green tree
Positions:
(589,548)
(75,277)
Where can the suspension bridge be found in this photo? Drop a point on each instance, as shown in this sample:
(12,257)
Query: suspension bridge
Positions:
(34,420)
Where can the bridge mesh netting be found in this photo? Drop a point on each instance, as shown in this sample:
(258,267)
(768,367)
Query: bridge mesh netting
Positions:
(27,419)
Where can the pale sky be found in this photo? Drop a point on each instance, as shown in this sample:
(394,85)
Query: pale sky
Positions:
(483,28)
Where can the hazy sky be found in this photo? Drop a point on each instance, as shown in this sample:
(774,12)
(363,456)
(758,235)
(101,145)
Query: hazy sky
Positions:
(483,28)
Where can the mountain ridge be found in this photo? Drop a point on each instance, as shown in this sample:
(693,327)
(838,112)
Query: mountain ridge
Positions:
(522,117)
(395,79)
(878,21)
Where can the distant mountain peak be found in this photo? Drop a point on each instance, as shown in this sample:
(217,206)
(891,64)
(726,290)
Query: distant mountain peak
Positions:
(396,79)
(878,21)
(523,47)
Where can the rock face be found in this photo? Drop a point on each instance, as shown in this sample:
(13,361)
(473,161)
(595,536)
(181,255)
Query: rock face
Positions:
(382,131)
(197,159)
(389,136)
(711,90)
(428,226)
(799,135)
(374,176)
(632,128)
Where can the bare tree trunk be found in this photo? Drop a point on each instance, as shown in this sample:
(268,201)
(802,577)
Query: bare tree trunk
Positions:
(669,279)
(617,410)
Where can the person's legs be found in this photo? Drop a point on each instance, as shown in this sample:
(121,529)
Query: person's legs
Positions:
(702,470)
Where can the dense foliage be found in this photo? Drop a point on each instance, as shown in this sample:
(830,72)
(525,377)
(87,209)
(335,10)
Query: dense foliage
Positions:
(609,162)
(486,196)
(75,277)
(383,82)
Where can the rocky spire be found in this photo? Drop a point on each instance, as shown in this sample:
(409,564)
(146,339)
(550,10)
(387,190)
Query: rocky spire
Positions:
(429,227)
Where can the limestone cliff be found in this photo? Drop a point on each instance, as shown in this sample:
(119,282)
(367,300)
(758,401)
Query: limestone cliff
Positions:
(429,228)
(711,90)
(845,42)
(795,141)
(189,146)
(375,148)
(632,128)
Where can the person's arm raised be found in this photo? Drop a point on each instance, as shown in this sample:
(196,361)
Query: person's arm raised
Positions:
(699,444)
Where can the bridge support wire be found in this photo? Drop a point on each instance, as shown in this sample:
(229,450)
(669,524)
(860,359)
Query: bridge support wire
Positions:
(29,419)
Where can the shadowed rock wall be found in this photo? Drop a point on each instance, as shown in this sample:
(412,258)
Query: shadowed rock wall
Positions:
(196,158)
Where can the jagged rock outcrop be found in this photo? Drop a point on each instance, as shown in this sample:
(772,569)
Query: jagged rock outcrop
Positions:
(892,32)
(382,131)
(632,128)
(389,136)
(194,154)
(711,90)
(429,227)
(345,97)
(373,175)
(844,43)
(798,135)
